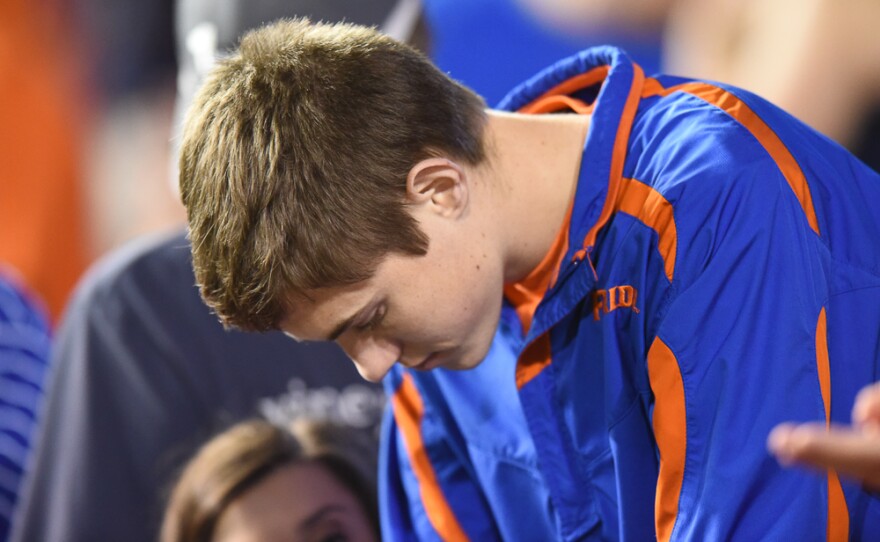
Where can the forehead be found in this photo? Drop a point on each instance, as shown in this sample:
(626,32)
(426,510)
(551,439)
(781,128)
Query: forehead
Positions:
(273,509)
(312,314)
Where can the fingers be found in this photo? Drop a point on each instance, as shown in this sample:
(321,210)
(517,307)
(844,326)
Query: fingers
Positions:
(866,412)
(852,453)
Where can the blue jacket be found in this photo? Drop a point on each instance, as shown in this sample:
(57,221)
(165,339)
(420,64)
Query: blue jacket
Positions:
(721,275)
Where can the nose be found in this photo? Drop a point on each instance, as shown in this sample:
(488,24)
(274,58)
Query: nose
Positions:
(373,356)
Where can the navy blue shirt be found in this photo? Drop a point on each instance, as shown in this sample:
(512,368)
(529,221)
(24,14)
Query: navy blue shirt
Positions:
(143,374)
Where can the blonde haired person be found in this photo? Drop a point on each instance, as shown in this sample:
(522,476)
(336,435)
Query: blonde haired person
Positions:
(313,482)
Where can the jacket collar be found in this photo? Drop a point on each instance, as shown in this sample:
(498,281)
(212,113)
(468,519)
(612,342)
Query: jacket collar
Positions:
(609,80)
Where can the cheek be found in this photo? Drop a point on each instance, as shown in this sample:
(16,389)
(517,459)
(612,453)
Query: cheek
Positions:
(473,304)
(448,299)
(444,313)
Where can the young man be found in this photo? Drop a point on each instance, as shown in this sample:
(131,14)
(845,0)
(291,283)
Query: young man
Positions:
(659,274)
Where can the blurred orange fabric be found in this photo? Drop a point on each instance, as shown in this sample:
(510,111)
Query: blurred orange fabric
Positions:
(41,198)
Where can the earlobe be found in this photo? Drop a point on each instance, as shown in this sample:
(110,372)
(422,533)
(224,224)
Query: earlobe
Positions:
(440,184)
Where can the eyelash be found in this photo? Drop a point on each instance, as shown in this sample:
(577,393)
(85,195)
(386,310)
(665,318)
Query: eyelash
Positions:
(373,321)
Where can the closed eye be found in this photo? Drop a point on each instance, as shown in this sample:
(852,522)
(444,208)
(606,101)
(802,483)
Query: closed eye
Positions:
(375,319)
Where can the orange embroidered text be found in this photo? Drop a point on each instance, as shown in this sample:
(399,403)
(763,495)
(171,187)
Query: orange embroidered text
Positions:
(616,297)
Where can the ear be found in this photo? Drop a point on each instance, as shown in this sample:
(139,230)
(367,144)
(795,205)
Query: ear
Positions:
(439,184)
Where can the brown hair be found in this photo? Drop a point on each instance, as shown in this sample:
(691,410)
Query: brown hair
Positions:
(239,458)
(294,161)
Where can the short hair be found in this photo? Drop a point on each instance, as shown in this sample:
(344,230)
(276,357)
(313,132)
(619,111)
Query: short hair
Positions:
(247,453)
(294,161)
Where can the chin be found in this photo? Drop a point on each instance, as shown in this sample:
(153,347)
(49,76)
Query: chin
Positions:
(462,365)
(467,368)
(471,358)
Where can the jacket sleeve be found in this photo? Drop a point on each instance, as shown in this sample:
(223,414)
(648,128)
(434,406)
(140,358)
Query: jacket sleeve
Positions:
(740,347)
(395,507)
(429,489)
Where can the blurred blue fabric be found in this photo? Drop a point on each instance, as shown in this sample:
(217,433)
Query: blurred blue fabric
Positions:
(24,355)
(493,45)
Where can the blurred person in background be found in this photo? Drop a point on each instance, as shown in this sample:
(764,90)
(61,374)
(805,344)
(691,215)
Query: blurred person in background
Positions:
(817,59)
(24,364)
(770,47)
(492,45)
(312,482)
(44,108)
(131,69)
(144,373)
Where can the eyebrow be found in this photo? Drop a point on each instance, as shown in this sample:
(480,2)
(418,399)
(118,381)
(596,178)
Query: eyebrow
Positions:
(310,521)
(345,324)
(337,331)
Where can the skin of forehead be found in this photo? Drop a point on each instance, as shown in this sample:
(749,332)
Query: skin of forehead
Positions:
(275,505)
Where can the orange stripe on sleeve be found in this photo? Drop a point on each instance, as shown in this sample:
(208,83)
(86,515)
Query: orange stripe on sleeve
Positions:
(838,513)
(737,109)
(652,87)
(408,411)
(670,432)
(823,365)
(650,207)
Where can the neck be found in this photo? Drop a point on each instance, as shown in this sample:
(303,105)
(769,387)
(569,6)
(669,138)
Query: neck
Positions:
(532,173)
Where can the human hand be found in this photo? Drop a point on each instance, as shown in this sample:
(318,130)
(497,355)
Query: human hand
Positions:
(853,451)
